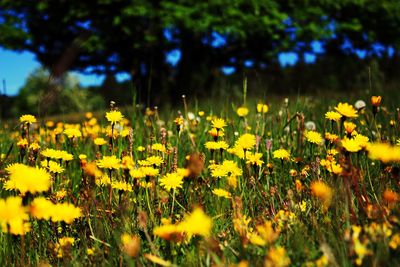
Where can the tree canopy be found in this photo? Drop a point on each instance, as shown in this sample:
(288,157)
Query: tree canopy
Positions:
(133,36)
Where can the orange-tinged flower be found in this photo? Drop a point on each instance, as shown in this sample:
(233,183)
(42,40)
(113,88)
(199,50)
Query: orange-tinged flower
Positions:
(376,101)
(349,127)
(322,191)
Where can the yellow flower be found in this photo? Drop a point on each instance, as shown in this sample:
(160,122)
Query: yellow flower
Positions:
(34,146)
(131,245)
(140,148)
(114,116)
(90,251)
(246,141)
(171,181)
(349,127)
(109,162)
(149,171)
(72,132)
(383,152)
(346,110)
(221,193)
(136,173)
(179,121)
(282,154)
(333,116)
(27,119)
(100,141)
(216,145)
(277,257)
(254,159)
(214,132)
(64,244)
(314,137)
(228,167)
(52,166)
(121,186)
(28,179)
(322,191)
(351,145)
(23,143)
(155,160)
(332,138)
(200,113)
(65,212)
(242,111)
(13,216)
(42,208)
(376,101)
(262,108)
(196,223)
(158,147)
(218,123)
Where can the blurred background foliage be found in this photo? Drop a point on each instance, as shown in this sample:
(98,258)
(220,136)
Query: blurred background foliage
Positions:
(338,45)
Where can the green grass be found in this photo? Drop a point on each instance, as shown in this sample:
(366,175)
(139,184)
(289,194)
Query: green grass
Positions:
(260,194)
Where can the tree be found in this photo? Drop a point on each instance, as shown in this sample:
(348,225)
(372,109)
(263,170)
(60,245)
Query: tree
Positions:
(112,36)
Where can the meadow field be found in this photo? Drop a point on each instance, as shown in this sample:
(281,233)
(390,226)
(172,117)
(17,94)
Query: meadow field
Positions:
(251,182)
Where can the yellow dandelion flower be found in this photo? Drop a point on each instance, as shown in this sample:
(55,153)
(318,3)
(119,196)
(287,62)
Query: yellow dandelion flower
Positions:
(277,257)
(99,141)
(351,145)
(246,141)
(171,181)
(155,160)
(114,116)
(28,179)
(65,212)
(314,137)
(23,143)
(109,162)
(158,147)
(333,116)
(221,193)
(281,153)
(41,208)
(346,110)
(34,146)
(242,111)
(140,148)
(52,166)
(149,171)
(121,186)
(72,133)
(254,159)
(218,123)
(262,108)
(196,223)
(27,119)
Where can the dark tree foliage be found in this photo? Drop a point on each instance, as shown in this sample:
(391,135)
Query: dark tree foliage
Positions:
(113,36)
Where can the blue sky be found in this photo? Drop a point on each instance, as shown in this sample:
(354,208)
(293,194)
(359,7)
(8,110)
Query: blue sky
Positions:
(16,67)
